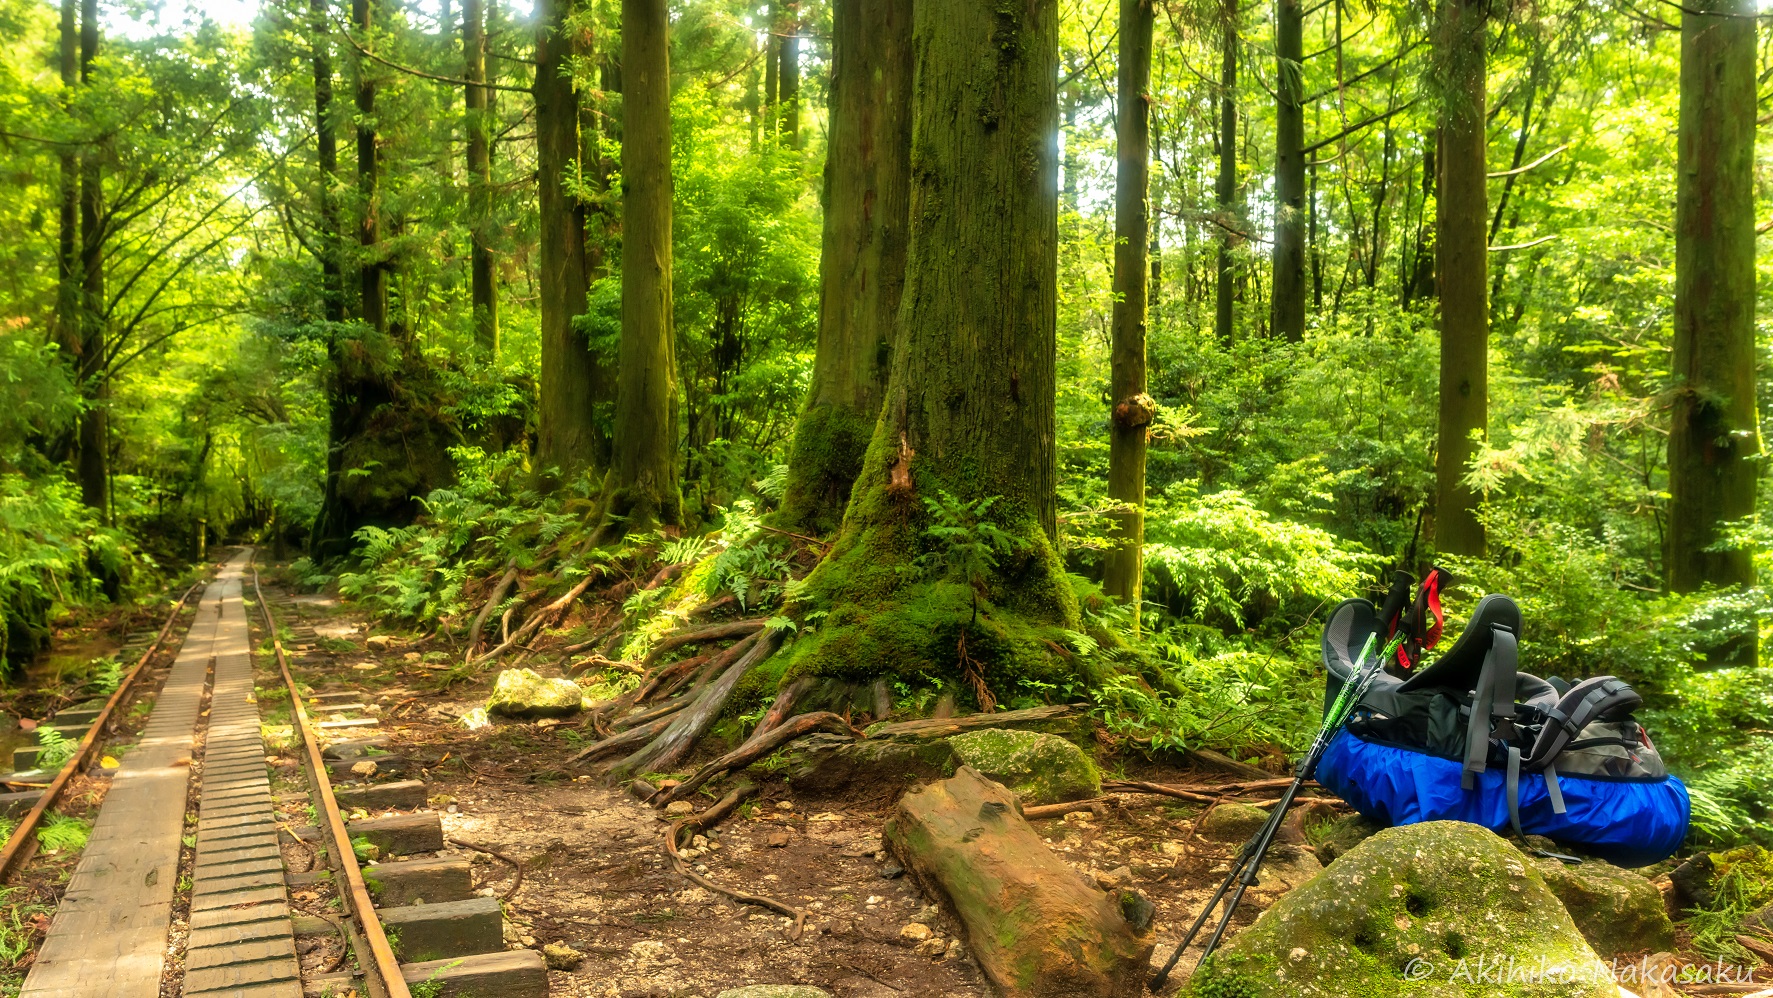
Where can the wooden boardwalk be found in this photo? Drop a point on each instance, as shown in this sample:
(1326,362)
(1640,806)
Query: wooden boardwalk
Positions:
(109,938)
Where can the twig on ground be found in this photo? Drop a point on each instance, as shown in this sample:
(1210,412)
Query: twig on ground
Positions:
(517,875)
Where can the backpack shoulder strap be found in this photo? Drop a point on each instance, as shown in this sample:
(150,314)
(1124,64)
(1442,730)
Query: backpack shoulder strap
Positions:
(1492,705)
(1589,700)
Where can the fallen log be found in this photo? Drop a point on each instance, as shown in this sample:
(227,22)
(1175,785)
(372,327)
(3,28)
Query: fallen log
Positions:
(1035,926)
(1059,719)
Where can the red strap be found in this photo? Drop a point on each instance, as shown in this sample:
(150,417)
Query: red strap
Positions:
(1432,587)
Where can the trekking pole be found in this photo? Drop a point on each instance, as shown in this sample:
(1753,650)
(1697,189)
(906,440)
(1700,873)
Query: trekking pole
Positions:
(1248,865)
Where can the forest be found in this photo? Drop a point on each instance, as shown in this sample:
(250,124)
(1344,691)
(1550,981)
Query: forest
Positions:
(929,357)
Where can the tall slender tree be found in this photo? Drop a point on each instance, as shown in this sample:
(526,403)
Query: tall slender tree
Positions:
(478,123)
(788,79)
(574,379)
(1289,170)
(1714,439)
(966,438)
(326,150)
(642,486)
(1225,188)
(1461,262)
(1132,409)
(94,463)
(67,302)
(372,269)
(862,256)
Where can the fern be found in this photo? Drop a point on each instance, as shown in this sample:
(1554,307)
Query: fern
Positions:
(56,750)
(61,833)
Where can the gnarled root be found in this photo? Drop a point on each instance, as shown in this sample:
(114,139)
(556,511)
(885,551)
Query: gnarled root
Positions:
(689,725)
(708,819)
(760,744)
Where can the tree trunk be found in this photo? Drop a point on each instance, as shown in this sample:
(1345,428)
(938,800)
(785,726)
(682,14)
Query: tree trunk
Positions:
(95,387)
(867,190)
(1226,187)
(641,489)
(478,124)
(789,79)
(1289,171)
(1713,442)
(573,378)
(372,271)
(1461,251)
(965,441)
(1132,408)
(327,159)
(67,302)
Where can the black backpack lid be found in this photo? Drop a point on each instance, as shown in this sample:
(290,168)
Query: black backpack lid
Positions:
(1345,633)
(1460,666)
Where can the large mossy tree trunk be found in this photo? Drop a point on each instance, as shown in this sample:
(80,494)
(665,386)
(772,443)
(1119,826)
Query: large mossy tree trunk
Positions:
(1131,409)
(969,419)
(642,489)
(1461,266)
(93,467)
(372,271)
(478,124)
(862,258)
(1225,186)
(1289,170)
(1714,439)
(574,379)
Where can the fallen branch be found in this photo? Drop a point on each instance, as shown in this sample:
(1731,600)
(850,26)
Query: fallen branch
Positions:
(534,623)
(706,820)
(758,746)
(688,726)
(517,876)
(1061,810)
(498,595)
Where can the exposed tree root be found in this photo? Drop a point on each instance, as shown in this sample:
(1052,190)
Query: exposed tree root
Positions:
(714,632)
(517,875)
(696,823)
(689,725)
(631,720)
(498,594)
(756,747)
(536,620)
(786,698)
(617,743)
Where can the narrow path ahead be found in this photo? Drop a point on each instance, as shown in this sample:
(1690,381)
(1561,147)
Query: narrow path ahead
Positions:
(109,938)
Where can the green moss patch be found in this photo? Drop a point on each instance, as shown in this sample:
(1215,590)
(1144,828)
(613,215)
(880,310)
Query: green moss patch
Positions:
(1040,769)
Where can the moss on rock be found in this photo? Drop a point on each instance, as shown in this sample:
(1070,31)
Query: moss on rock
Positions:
(1616,910)
(1040,769)
(1232,822)
(1440,909)
(526,693)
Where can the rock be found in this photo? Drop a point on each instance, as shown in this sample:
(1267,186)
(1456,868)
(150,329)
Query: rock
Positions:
(679,809)
(927,915)
(916,932)
(1616,910)
(1287,866)
(365,769)
(823,763)
(891,871)
(933,946)
(1398,913)
(1040,768)
(1692,881)
(775,991)
(1032,923)
(379,642)
(1342,836)
(1116,879)
(525,693)
(1232,822)
(560,956)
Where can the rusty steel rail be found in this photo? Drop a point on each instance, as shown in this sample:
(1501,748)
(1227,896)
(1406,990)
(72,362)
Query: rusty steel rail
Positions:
(381,971)
(21,844)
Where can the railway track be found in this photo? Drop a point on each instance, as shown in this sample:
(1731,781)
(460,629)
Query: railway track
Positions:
(413,920)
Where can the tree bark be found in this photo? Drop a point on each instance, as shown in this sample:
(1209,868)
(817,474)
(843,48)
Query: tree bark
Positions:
(1225,189)
(372,271)
(478,124)
(1461,262)
(574,379)
(67,307)
(642,487)
(1289,171)
(862,258)
(968,425)
(326,145)
(788,80)
(94,463)
(1714,439)
(1132,408)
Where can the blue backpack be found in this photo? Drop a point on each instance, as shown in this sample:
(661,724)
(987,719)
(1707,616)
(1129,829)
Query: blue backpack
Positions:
(1471,738)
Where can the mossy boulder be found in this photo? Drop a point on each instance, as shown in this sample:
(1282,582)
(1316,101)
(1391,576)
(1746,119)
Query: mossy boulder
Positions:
(824,763)
(1232,822)
(1616,910)
(1432,910)
(526,693)
(1041,769)
(1343,835)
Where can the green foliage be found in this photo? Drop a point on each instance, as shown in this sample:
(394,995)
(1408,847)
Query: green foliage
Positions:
(62,833)
(56,749)
(49,543)
(1741,885)
(18,916)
